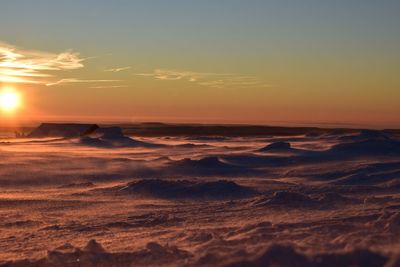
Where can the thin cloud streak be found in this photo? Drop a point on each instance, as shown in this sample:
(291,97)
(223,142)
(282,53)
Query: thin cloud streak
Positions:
(74,80)
(117,69)
(109,86)
(25,66)
(208,79)
(172,75)
(13,79)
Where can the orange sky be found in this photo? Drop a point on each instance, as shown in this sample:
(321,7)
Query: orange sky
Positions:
(266,62)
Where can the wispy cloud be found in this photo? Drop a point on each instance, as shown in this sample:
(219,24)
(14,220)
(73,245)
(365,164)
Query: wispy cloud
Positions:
(172,75)
(74,80)
(25,66)
(117,69)
(214,80)
(109,86)
(236,82)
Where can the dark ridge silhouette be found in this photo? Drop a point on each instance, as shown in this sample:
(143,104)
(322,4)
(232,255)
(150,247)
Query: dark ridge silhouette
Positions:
(213,130)
(67,130)
(155,129)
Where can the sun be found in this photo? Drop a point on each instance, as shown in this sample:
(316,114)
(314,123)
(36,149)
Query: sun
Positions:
(10,100)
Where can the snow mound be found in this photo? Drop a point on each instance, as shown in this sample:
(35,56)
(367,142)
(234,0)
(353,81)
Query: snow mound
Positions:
(154,254)
(368,147)
(364,135)
(184,189)
(279,256)
(94,247)
(93,254)
(207,166)
(110,132)
(287,256)
(109,137)
(356,258)
(276,147)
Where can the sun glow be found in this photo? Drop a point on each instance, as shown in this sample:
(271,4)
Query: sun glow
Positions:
(10,100)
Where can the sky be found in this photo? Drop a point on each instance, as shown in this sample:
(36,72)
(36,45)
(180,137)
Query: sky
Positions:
(222,61)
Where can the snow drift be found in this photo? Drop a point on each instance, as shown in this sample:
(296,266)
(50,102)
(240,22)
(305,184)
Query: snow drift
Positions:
(184,189)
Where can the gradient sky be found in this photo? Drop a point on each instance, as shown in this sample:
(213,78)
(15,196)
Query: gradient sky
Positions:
(230,61)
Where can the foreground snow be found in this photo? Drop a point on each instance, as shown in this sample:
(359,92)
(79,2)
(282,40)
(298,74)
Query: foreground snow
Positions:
(327,200)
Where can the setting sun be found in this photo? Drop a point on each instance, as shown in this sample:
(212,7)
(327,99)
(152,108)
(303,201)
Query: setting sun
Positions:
(9,100)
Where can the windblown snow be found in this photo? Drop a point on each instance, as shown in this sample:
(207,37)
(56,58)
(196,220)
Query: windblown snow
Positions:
(109,199)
